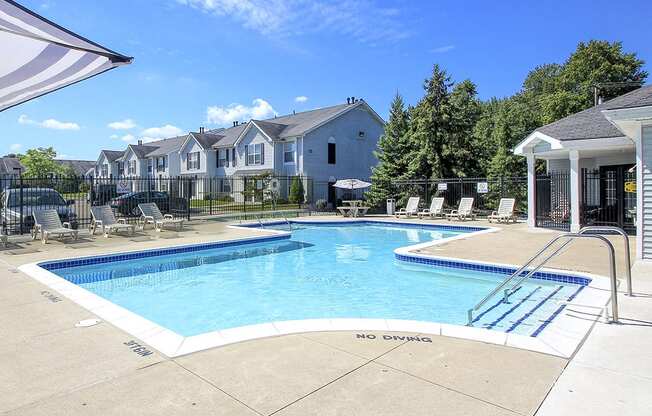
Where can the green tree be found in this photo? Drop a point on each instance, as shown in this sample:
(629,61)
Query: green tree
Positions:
(296,191)
(459,150)
(430,127)
(391,153)
(40,163)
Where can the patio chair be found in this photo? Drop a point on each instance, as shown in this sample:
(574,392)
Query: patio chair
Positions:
(505,211)
(463,211)
(436,208)
(411,208)
(103,217)
(152,215)
(48,223)
(3,238)
(346,211)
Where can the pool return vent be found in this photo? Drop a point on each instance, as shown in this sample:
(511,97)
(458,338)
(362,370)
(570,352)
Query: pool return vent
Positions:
(516,278)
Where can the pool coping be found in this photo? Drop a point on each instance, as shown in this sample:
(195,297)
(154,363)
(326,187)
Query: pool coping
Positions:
(561,337)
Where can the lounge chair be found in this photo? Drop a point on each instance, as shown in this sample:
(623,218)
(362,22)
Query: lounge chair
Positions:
(436,208)
(48,223)
(463,211)
(152,215)
(411,208)
(3,238)
(505,211)
(103,217)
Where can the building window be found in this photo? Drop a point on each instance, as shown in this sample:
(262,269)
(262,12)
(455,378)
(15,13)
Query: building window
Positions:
(161,163)
(150,166)
(254,154)
(288,152)
(105,170)
(192,162)
(225,186)
(222,158)
(132,167)
(331,153)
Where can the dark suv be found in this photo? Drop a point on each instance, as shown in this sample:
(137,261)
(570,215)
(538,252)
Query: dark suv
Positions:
(127,204)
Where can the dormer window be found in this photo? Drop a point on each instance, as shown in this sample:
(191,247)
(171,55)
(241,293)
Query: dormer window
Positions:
(192,162)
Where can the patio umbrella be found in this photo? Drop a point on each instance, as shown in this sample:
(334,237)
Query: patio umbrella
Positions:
(39,56)
(351,184)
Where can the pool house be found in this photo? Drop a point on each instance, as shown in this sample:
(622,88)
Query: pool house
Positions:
(598,169)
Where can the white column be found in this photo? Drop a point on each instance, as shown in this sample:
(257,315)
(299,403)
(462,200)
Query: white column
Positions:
(575,189)
(531,190)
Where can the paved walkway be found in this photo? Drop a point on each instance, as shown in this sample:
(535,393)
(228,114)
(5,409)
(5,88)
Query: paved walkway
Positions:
(49,366)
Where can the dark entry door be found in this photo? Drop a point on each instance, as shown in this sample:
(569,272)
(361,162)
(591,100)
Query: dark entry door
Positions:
(332,195)
(618,196)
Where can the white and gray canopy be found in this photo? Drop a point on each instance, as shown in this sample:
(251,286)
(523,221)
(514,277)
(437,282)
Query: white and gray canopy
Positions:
(39,56)
(351,184)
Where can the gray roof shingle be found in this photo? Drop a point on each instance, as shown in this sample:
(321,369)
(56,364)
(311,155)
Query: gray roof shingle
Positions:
(206,139)
(7,165)
(80,167)
(113,155)
(286,126)
(591,123)
(166,146)
(141,150)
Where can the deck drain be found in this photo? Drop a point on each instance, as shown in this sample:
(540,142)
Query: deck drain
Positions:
(87,322)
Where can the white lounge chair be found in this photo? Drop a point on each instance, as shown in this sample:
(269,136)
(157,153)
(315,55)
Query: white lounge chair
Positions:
(411,208)
(436,208)
(48,223)
(463,211)
(505,211)
(104,218)
(152,215)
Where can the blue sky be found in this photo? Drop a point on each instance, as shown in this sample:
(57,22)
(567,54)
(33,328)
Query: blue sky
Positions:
(207,62)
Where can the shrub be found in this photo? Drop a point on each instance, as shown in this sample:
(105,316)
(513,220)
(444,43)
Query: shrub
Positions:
(296,191)
(321,204)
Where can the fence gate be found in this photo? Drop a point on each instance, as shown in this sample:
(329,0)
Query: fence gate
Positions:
(609,197)
(553,201)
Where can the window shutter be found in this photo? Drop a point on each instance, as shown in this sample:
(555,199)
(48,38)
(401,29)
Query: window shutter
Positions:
(187,161)
(262,153)
(198,160)
(226,151)
(233,158)
(246,155)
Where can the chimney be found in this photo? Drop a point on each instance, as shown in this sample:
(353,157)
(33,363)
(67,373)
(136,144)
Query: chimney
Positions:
(352,100)
(140,142)
(201,130)
(348,100)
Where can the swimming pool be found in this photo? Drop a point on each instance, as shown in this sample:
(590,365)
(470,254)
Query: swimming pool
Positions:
(323,271)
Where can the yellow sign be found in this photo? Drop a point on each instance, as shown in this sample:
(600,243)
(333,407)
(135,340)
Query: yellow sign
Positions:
(630,186)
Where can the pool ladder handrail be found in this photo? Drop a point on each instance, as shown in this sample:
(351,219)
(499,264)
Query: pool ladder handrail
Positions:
(288,222)
(593,228)
(568,237)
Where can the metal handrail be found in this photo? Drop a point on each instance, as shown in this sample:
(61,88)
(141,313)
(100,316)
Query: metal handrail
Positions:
(569,237)
(584,230)
(288,222)
(628,259)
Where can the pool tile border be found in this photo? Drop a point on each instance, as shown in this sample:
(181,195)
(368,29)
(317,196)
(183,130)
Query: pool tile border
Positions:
(172,344)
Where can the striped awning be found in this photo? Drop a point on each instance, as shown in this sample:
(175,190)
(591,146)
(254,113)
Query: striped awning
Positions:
(39,56)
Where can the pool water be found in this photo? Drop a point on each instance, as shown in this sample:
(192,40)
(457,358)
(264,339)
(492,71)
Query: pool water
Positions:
(323,271)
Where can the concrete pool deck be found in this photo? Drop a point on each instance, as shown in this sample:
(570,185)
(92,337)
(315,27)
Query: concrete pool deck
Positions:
(52,367)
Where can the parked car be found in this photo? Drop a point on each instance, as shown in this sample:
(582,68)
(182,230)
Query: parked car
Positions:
(33,199)
(127,204)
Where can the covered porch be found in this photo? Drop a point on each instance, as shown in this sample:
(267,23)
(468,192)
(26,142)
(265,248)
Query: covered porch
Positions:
(584,182)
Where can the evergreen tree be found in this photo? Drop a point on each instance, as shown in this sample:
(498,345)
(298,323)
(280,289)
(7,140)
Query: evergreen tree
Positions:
(459,151)
(430,127)
(296,191)
(391,153)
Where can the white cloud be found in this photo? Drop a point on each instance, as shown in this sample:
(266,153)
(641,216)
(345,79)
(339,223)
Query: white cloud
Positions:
(15,147)
(260,109)
(162,132)
(443,49)
(49,123)
(129,138)
(301,99)
(362,20)
(125,124)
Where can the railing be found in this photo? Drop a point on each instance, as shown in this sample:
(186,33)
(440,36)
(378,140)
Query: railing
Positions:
(568,237)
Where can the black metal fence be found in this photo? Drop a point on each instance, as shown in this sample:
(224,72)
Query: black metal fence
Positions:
(553,201)
(487,192)
(186,197)
(609,198)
